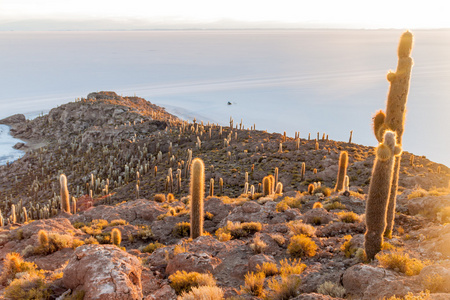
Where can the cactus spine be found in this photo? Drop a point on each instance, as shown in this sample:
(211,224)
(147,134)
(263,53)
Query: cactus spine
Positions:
(197,194)
(65,204)
(342,172)
(379,192)
(394,118)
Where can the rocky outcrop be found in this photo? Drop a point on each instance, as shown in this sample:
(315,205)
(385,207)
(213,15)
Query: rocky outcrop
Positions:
(367,282)
(104,272)
(14,120)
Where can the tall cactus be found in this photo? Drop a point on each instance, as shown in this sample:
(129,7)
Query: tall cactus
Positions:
(342,171)
(197,194)
(394,119)
(379,192)
(65,204)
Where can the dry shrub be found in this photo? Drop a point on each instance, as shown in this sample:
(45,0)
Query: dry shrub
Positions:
(410,296)
(182,229)
(348,247)
(14,264)
(400,262)
(29,286)
(203,293)
(317,205)
(331,289)
(159,198)
(268,268)
(301,245)
(258,245)
(181,281)
(348,217)
(298,227)
(237,230)
(254,284)
(291,267)
(150,248)
(287,288)
(278,238)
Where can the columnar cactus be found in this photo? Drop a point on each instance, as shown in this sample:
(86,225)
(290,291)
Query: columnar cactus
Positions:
(65,203)
(342,172)
(197,194)
(116,237)
(379,192)
(394,119)
(266,186)
(211,187)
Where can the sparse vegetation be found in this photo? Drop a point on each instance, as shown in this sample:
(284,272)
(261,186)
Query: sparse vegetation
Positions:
(331,289)
(401,262)
(301,245)
(182,281)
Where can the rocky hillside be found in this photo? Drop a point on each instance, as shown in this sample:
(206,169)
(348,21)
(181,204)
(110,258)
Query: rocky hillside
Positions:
(126,161)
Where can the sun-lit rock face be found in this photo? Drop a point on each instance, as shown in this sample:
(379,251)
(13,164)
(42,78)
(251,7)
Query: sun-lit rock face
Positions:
(104,272)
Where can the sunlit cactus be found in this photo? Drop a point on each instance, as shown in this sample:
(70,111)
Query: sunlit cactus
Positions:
(342,171)
(394,118)
(197,194)
(379,192)
(64,193)
(116,237)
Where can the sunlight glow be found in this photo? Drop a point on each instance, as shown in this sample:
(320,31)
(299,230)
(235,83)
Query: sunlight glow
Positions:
(291,13)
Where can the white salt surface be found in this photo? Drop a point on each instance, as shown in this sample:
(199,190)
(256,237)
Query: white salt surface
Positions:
(330,81)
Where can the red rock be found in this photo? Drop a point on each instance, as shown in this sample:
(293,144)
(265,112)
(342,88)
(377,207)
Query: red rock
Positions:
(192,262)
(104,272)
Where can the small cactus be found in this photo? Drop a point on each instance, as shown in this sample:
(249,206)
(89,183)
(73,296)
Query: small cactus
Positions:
(116,237)
(342,172)
(65,204)
(43,238)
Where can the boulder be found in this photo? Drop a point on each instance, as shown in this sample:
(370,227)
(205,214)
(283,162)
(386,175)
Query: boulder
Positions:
(104,272)
(368,282)
(192,262)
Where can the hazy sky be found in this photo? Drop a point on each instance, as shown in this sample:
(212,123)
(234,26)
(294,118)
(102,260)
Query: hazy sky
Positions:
(148,14)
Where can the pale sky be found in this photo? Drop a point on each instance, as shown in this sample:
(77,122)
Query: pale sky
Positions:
(151,14)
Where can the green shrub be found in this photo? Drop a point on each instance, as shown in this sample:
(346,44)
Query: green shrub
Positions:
(181,281)
(301,245)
